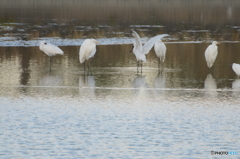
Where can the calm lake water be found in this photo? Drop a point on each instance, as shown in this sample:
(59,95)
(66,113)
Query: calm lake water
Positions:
(56,110)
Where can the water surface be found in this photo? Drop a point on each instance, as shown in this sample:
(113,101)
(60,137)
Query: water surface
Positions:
(182,110)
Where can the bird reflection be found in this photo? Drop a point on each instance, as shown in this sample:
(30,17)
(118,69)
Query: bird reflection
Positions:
(210,82)
(210,85)
(160,81)
(49,83)
(26,72)
(236,86)
(140,84)
(87,85)
(50,80)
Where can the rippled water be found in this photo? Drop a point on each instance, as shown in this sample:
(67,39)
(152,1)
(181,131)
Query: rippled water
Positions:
(182,110)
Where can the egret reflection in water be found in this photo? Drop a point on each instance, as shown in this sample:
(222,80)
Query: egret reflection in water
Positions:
(160,80)
(139,83)
(236,84)
(210,82)
(49,84)
(87,85)
(210,85)
(236,87)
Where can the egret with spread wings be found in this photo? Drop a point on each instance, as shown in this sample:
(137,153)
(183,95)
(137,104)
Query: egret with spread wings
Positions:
(140,50)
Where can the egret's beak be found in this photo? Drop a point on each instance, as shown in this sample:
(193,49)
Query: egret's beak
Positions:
(218,43)
(131,49)
(97,42)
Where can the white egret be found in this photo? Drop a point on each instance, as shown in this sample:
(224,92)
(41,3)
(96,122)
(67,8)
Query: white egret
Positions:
(50,49)
(236,68)
(141,51)
(211,53)
(87,51)
(160,50)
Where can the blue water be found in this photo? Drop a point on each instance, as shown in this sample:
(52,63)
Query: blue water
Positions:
(115,123)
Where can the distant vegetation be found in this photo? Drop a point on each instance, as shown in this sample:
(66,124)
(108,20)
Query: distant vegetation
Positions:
(195,19)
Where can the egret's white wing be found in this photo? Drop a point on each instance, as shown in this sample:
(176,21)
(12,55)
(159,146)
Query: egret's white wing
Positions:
(149,44)
(52,49)
(93,53)
(137,43)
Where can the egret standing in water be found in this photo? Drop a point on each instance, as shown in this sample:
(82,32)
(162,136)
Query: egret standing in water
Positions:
(236,68)
(141,51)
(160,50)
(50,49)
(211,53)
(87,51)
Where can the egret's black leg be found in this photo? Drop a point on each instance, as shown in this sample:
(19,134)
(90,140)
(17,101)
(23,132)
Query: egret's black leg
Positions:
(137,65)
(131,49)
(84,65)
(50,59)
(50,69)
(50,63)
(89,66)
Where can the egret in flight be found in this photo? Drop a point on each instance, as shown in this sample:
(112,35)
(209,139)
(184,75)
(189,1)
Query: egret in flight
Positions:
(50,49)
(211,53)
(141,51)
(236,68)
(87,51)
(160,50)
